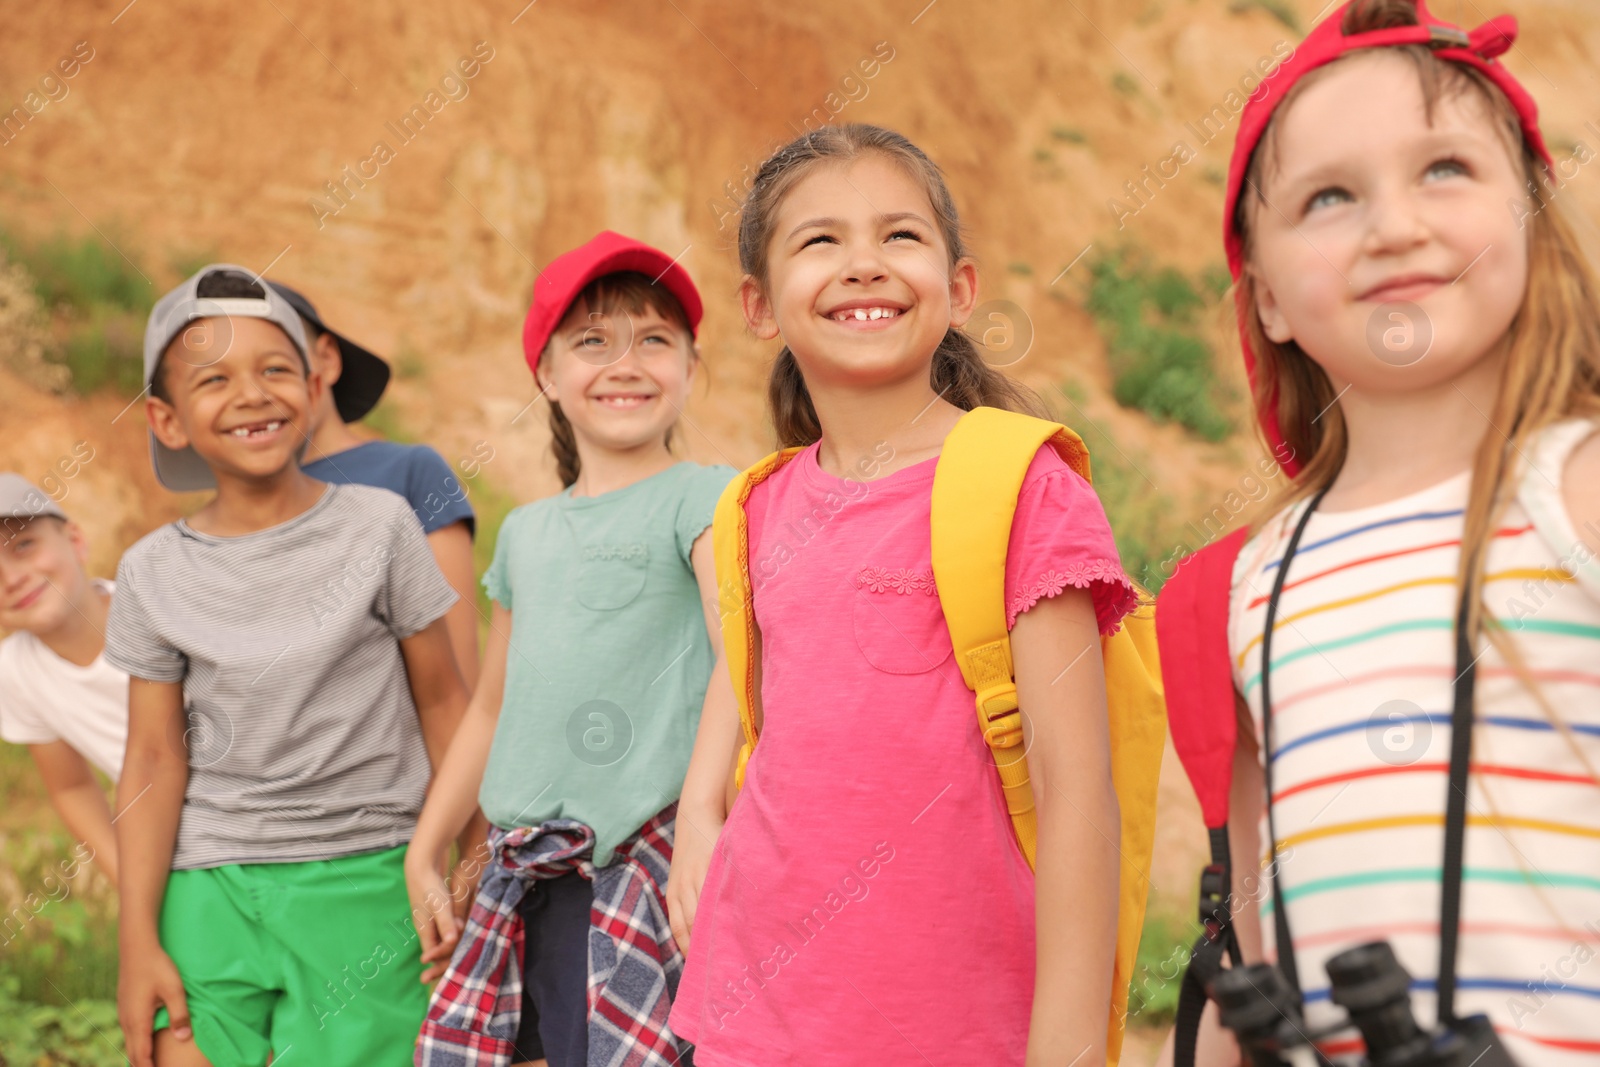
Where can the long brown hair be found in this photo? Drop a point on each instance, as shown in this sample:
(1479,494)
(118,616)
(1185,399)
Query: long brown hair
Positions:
(630,293)
(959,373)
(1552,364)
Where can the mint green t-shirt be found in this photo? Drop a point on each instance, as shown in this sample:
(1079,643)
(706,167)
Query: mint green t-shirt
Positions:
(609,657)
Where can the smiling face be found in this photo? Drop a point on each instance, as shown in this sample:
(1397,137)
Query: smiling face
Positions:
(859,282)
(240,396)
(621,377)
(1388,248)
(42,573)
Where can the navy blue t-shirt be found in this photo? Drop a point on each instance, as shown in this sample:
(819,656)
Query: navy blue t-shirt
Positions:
(416,472)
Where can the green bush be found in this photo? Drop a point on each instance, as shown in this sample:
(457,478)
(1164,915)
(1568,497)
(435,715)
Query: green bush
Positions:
(85,1034)
(1164,947)
(105,350)
(1159,362)
(58,920)
(82,273)
(491,504)
(1141,516)
(97,302)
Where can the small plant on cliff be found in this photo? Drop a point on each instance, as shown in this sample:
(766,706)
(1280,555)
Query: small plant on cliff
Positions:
(1160,363)
(96,302)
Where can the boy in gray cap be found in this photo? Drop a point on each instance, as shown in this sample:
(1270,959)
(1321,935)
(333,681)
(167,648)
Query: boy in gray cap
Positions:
(58,695)
(292,679)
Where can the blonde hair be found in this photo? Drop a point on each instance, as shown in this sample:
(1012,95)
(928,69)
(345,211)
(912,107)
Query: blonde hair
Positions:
(1552,349)
(959,373)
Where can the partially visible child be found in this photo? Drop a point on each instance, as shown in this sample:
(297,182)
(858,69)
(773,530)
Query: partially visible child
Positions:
(1422,330)
(578,736)
(353,381)
(58,695)
(292,678)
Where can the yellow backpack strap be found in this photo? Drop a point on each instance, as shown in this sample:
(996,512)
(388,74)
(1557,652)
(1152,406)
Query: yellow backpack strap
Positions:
(730,543)
(975,488)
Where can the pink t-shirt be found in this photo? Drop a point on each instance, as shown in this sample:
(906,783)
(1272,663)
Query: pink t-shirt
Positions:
(867,901)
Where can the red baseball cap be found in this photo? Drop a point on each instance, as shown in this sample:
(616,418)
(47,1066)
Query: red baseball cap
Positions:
(1325,43)
(564,277)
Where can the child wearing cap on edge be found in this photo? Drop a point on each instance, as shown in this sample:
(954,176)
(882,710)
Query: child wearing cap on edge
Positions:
(58,695)
(353,380)
(299,629)
(576,745)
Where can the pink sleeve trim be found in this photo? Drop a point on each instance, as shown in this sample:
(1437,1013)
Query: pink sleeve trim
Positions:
(1113,598)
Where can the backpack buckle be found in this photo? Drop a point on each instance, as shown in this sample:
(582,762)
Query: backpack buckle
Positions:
(1214,892)
(998,716)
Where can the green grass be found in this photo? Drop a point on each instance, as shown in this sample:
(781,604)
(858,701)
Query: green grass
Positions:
(409,363)
(85,1034)
(81,273)
(1164,947)
(58,957)
(1278,9)
(1069,134)
(491,505)
(385,418)
(1124,83)
(97,302)
(105,350)
(1142,516)
(1020,268)
(1160,363)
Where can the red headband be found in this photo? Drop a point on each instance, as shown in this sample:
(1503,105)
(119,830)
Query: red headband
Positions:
(1324,44)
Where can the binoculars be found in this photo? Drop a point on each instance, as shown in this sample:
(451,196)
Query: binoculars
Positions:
(1263,1011)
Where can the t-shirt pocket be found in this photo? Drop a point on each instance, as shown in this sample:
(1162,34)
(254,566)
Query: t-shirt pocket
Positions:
(612,576)
(899,625)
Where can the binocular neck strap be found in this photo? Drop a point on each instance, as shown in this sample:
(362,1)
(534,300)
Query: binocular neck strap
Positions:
(1455,821)
(1280,915)
(1455,814)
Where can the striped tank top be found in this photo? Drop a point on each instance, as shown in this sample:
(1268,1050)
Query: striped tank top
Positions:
(1363,662)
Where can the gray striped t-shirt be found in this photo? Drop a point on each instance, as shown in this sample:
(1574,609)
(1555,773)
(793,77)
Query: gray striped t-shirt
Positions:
(303,739)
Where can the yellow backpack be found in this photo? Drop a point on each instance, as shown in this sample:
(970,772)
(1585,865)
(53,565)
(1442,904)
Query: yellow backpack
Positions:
(975,487)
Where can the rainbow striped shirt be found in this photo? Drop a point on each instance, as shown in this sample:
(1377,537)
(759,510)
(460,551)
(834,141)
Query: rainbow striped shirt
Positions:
(1362,672)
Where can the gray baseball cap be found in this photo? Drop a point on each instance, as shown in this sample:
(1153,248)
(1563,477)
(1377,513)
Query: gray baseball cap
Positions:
(21,499)
(248,297)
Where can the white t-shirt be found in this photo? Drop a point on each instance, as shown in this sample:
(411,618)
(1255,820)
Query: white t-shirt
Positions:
(1363,666)
(44,698)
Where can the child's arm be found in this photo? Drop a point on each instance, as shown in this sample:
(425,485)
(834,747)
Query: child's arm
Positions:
(78,799)
(441,694)
(155,773)
(1580,484)
(453,803)
(707,786)
(1061,688)
(452,550)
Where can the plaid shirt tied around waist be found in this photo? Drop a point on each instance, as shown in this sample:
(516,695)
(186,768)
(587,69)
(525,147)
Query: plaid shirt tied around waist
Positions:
(634,962)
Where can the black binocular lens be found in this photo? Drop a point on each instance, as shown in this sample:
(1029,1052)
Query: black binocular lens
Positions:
(1370,984)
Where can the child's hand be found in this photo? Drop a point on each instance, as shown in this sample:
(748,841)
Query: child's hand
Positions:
(691,857)
(464,885)
(433,912)
(148,978)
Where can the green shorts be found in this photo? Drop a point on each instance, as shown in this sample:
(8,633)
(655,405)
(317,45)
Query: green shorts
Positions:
(318,957)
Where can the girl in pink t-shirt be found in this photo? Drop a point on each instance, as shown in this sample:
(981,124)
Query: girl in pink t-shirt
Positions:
(865,901)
